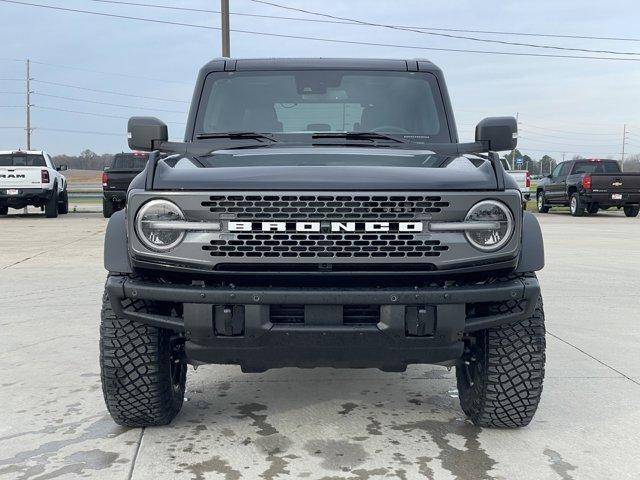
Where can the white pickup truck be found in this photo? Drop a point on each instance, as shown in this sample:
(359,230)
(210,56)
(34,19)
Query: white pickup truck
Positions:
(31,178)
(522,177)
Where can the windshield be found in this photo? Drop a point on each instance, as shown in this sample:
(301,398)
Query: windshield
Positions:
(130,161)
(323,101)
(21,160)
(592,166)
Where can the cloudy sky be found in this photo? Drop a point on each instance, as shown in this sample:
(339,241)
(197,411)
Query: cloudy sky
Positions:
(564,104)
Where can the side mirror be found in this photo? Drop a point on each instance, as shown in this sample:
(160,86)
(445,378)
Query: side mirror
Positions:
(501,133)
(144,133)
(61,168)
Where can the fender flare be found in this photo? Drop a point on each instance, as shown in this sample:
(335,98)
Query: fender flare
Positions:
(532,252)
(116,250)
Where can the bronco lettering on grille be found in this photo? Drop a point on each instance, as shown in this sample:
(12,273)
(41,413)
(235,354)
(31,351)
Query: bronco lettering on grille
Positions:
(410,227)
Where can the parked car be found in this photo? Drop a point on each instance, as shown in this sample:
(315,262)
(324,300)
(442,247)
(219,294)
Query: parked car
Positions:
(522,178)
(117,177)
(589,185)
(30,178)
(284,233)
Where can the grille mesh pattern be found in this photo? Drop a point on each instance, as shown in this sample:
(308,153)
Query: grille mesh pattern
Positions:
(319,245)
(325,207)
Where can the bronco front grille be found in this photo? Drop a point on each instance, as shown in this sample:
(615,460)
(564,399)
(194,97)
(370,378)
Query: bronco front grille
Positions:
(325,245)
(325,207)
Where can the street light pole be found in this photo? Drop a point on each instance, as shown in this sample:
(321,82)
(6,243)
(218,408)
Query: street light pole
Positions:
(224,22)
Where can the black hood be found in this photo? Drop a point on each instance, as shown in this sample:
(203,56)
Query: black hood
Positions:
(325,168)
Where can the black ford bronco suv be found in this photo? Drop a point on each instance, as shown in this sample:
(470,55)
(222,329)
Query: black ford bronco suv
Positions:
(322,213)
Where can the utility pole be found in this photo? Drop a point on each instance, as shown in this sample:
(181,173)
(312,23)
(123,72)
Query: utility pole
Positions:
(624,142)
(28,106)
(513,153)
(224,21)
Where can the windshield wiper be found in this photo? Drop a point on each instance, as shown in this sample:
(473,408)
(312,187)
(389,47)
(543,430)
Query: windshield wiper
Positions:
(358,136)
(236,136)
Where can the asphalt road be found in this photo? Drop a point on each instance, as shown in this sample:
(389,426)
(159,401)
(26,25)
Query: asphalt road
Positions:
(323,423)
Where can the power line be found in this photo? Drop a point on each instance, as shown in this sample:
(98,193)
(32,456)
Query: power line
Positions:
(332,40)
(581,124)
(536,127)
(106,103)
(90,113)
(445,35)
(109,92)
(112,15)
(564,143)
(343,22)
(583,152)
(125,75)
(40,107)
(546,135)
(16,128)
(79,131)
(11,106)
(12,93)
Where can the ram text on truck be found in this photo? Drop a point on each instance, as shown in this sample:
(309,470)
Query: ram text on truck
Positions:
(322,212)
(31,178)
(589,185)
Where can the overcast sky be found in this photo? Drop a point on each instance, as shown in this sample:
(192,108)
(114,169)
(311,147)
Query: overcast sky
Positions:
(570,105)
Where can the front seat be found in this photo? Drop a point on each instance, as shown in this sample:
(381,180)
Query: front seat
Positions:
(375,116)
(261,118)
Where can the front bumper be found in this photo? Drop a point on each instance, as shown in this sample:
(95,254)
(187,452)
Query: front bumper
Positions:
(237,325)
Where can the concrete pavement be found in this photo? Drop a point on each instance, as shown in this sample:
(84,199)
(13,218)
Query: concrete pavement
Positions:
(322,423)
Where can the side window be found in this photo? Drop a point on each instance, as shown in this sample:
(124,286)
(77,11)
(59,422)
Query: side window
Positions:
(556,171)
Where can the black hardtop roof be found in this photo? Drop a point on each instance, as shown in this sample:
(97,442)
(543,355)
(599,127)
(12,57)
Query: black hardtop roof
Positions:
(248,64)
(262,64)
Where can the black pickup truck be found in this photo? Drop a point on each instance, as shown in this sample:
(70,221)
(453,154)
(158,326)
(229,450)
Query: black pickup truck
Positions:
(323,213)
(589,185)
(117,177)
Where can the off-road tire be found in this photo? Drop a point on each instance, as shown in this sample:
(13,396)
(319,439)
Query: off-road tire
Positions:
(108,208)
(631,211)
(500,377)
(4,210)
(51,207)
(577,209)
(63,203)
(540,203)
(592,209)
(143,382)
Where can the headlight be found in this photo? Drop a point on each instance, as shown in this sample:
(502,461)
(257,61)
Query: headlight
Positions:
(154,225)
(495,236)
